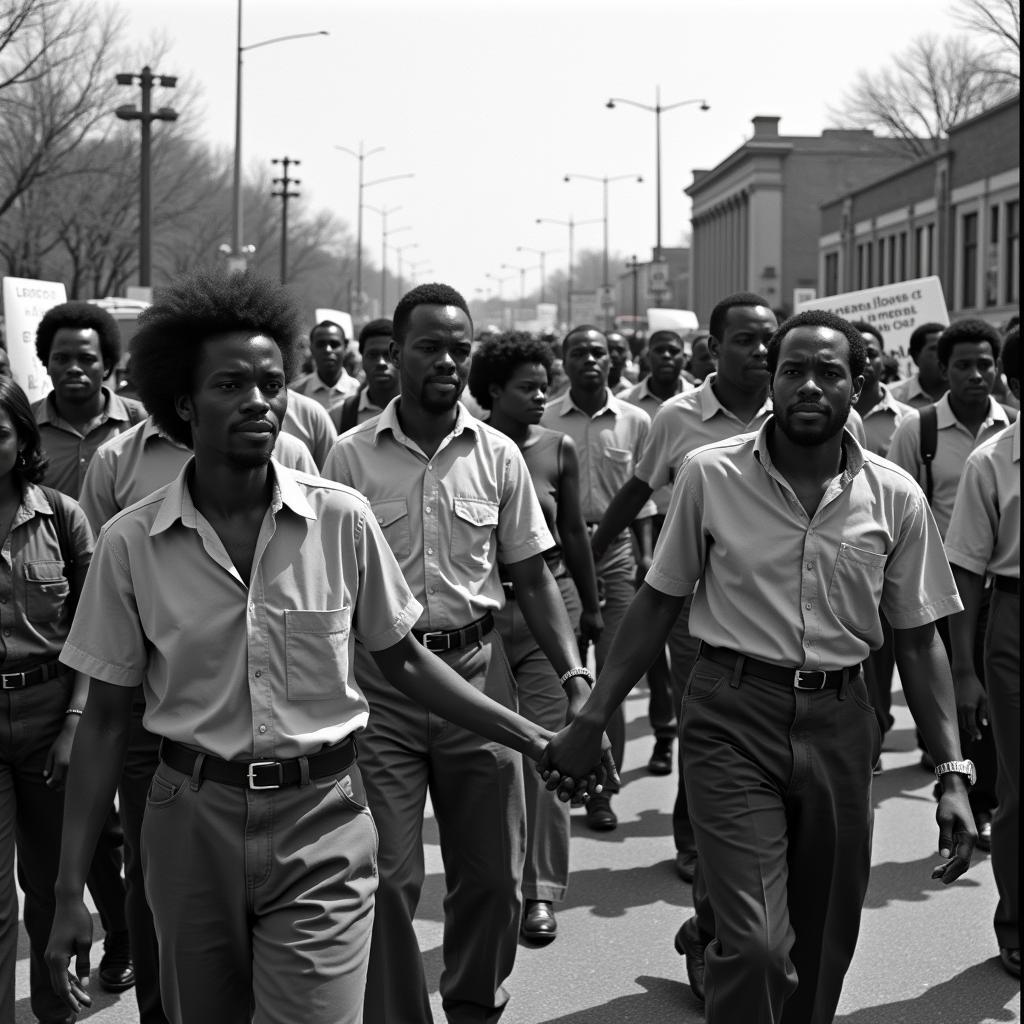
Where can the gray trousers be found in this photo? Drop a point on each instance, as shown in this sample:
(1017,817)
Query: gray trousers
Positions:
(262,901)
(476,788)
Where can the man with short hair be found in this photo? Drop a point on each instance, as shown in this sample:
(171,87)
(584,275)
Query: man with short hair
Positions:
(453,497)
(777,733)
(983,543)
(259,849)
(381,378)
(701,363)
(618,368)
(329,382)
(928,384)
(610,436)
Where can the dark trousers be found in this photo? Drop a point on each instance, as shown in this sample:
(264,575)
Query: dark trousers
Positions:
(779,789)
(878,669)
(476,788)
(1002,664)
(30,821)
(140,762)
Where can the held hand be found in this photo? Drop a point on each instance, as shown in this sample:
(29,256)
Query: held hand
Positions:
(957,832)
(71,934)
(59,756)
(971,703)
(591,626)
(575,761)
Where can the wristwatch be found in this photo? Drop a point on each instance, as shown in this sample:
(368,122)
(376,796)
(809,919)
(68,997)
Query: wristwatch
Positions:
(958,768)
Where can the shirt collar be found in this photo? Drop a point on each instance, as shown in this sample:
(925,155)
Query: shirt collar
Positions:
(151,430)
(710,406)
(177,502)
(947,418)
(113,408)
(565,405)
(388,420)
(852,449)
(1015,452)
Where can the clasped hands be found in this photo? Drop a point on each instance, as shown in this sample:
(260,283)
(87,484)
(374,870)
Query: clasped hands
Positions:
(578,762)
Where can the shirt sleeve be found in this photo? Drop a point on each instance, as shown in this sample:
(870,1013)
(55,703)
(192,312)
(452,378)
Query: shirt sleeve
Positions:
(97,499)
(385,609)
(652,467)
(974,526)
(682,544)
(293,454)
(322,434)
(522,531)
(919,586)
(640,445)
(905,446)
(106,639)
(82,545)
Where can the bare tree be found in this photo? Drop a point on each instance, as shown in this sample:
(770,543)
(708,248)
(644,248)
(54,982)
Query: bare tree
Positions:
(926,90)
(996,22)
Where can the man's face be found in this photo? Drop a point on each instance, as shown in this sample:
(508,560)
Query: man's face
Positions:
(75,364)
(971,372)
(433,360)
(381,372)
(813,390)
(928,368)
(702,362)
(874,366)
(742,349)
(665,357)
(328,345)
(618,350)
(523,395)
(586,361)
(238,400)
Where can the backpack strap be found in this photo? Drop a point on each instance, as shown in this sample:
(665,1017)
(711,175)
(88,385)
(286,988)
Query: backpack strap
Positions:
(928,444)
(348,413)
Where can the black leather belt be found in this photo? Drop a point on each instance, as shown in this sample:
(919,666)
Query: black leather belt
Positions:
(440,640)
(1007,584)
(799,679)
(259,774)
(31,676)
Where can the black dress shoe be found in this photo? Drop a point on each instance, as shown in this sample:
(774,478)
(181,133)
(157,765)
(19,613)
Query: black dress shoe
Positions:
(983,820)
(688,943)
(600,816)
(117,973)
(539,924)
(661,759)
(686,864)
(1010,959)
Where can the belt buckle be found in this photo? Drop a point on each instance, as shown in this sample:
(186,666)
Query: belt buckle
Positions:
(798,681)
(251,774)
(14,686)
(428,638)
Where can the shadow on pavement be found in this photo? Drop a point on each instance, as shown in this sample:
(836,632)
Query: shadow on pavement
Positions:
(978,994)
(661,1002)
(909,881)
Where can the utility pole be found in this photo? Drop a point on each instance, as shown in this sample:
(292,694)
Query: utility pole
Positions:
(284,195)
(633,265)
(146,116)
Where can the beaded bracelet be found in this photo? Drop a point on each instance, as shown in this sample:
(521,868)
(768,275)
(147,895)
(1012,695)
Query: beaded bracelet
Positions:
(582,672)
(75,711)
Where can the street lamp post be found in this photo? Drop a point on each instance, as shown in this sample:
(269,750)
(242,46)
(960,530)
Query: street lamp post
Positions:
(238,253)
(571,225)
(284,195)
(385,212)
(361,157)
(633,266)
(657,110)
(399,249)
(146,116)
(499,281)
(542,254)
(605,283)
(521,271)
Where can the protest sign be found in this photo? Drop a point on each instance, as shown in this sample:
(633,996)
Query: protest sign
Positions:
(25,302)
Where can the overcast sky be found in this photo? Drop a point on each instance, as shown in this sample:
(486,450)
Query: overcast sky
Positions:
(490,103)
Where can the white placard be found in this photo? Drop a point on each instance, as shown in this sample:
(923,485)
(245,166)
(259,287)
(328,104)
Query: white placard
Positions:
(25,302)
(336,316)
(671,320)
(895,309)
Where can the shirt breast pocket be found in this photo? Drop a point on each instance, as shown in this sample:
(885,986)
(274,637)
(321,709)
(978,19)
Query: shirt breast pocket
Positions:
(393,519)
(620,460)
(316,653)
(46,591)
(855,591)
(473,525)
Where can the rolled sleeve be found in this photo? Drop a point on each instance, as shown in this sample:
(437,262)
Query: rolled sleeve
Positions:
(680,553)
(106,639)
(919,586)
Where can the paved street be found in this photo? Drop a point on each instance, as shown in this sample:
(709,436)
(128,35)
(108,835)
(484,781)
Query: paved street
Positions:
(926,954)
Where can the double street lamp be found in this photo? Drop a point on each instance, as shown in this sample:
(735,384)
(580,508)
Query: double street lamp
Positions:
(657,110)
(399,249)
(521,271)
(603,181)
(237,254)
(361,156)
(543,255)
(572,225)
(146,116)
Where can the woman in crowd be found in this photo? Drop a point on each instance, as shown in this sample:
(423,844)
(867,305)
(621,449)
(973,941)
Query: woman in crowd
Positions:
(46,548)
(509,377)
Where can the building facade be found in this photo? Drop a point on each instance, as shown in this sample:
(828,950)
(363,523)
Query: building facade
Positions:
(954,214)
(756,216)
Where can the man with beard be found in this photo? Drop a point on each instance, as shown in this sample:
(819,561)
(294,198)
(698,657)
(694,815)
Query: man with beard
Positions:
(453,497)
(259,850)
(795,538)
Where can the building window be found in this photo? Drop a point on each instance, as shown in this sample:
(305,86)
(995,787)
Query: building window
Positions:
(831,273)
(865,251)
(880,270)
(992,258)
(1012,252)
(969,261)
(902,257)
